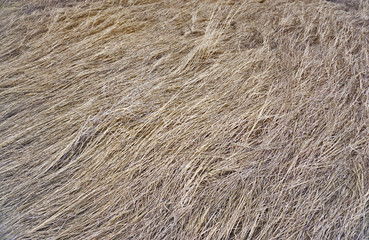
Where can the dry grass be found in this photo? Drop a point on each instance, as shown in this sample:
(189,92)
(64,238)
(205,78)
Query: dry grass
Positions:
(147,119)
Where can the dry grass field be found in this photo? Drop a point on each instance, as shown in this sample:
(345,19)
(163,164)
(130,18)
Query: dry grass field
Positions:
(171,119)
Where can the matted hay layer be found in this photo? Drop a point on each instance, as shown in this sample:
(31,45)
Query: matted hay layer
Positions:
(178,119)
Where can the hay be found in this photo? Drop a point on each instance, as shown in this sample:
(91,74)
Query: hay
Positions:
(146,119)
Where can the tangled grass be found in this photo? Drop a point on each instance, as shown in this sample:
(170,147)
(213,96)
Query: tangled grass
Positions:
(151,119)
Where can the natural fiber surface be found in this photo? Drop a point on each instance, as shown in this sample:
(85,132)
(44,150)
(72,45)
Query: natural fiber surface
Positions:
(148,119)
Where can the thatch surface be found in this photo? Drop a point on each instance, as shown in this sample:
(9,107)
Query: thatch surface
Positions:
(164,119)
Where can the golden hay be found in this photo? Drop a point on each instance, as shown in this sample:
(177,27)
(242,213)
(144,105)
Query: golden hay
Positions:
(148,119)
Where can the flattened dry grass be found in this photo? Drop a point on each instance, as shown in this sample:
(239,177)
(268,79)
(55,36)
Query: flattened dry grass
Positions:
(207,119)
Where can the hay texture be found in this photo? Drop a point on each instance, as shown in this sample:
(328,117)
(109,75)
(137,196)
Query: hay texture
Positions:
(148,119)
